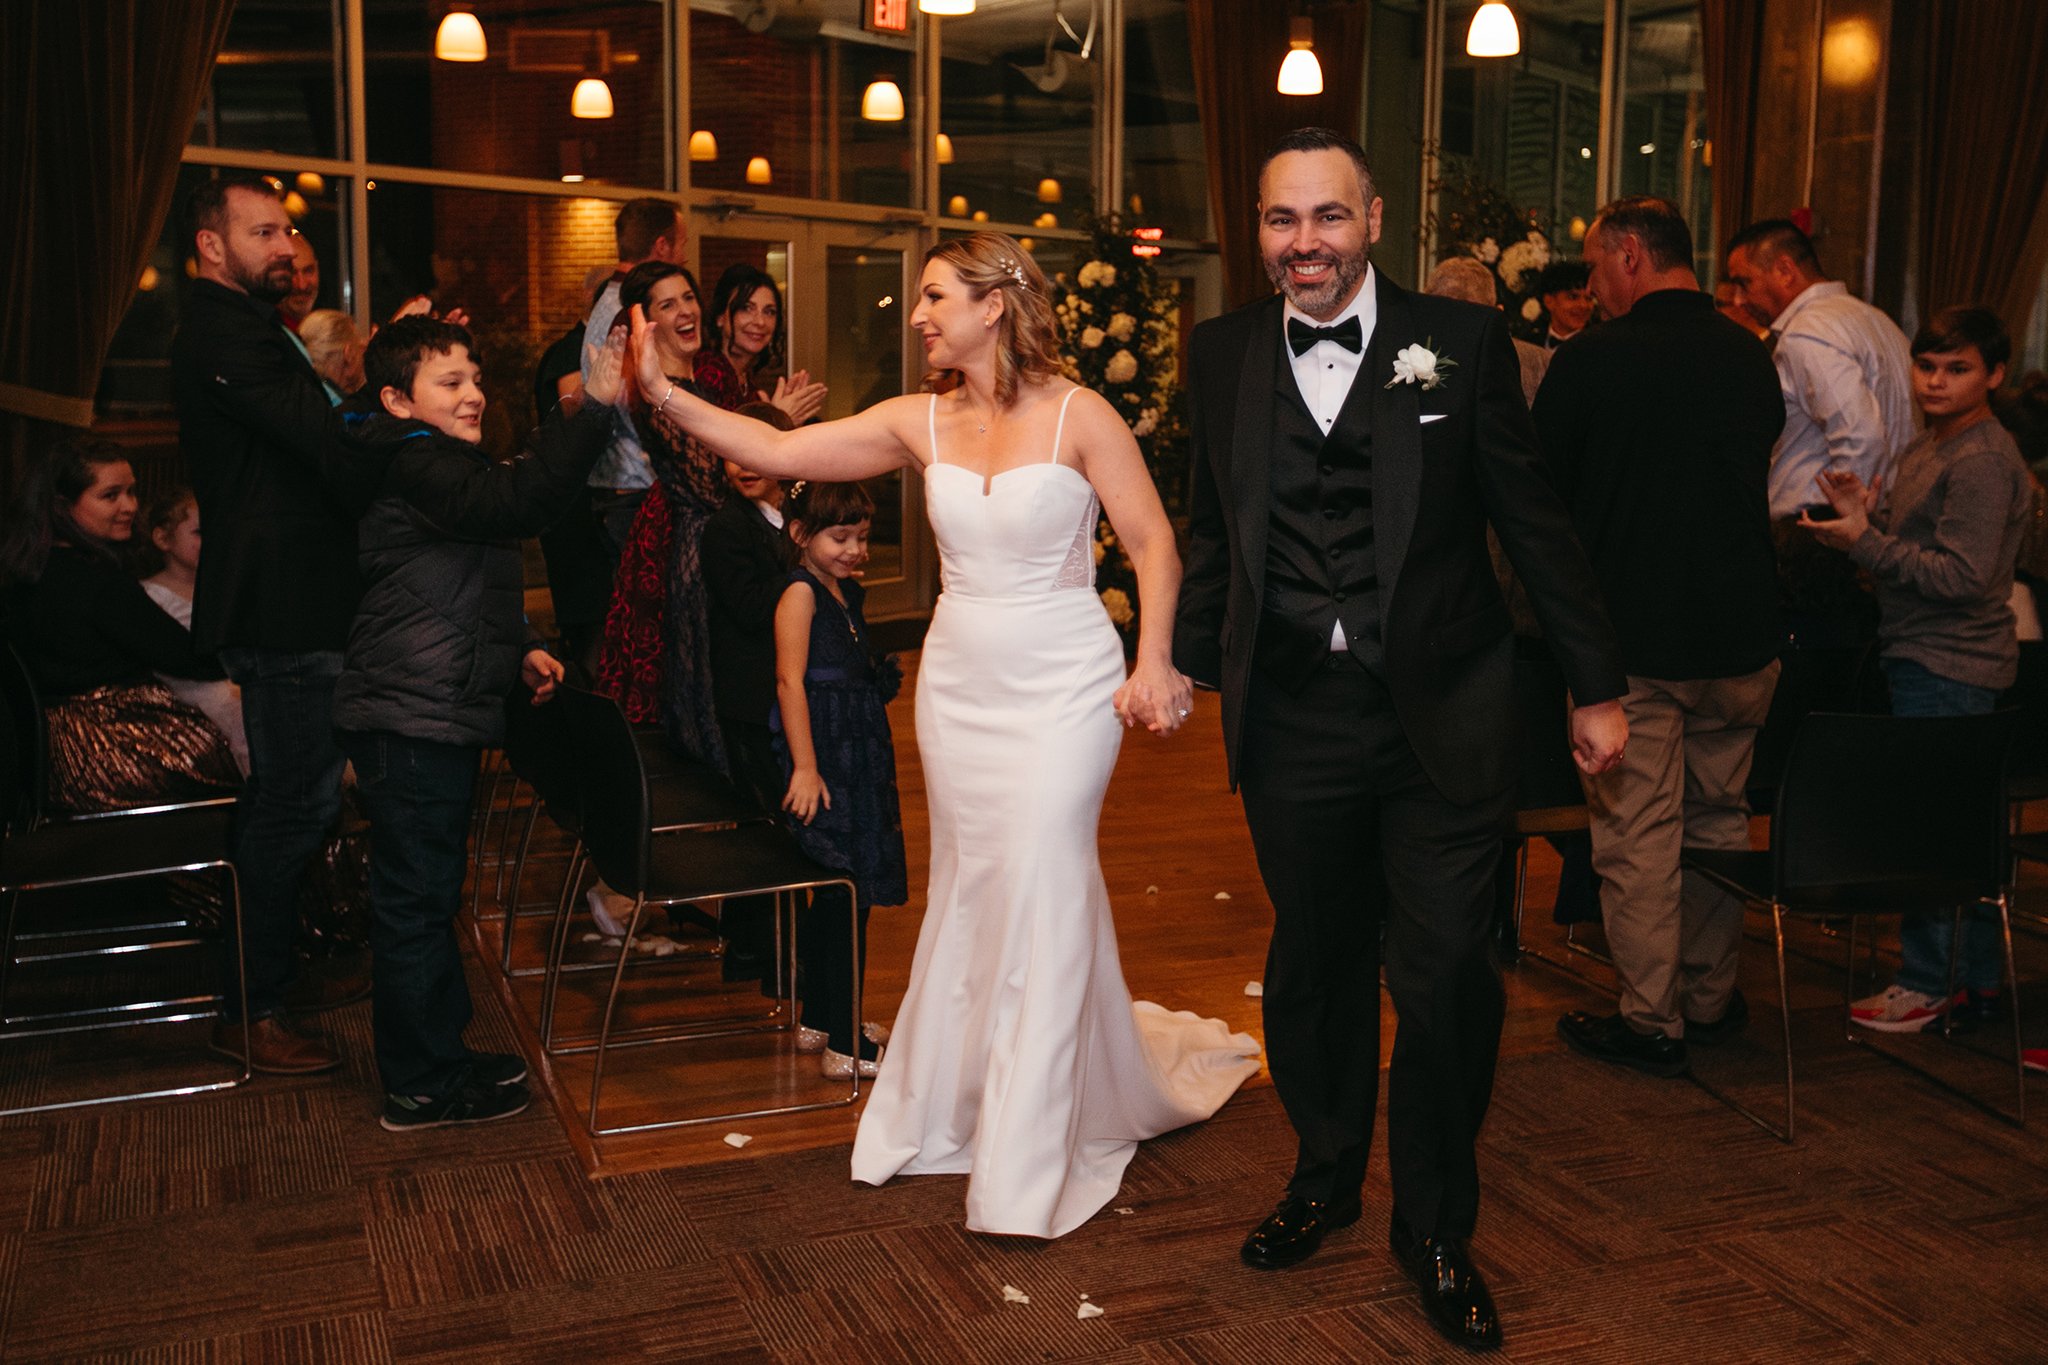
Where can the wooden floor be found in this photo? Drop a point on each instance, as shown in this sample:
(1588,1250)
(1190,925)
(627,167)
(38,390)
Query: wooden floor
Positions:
(1192,926)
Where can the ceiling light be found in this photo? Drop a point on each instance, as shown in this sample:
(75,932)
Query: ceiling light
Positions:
(945,146)
(1045,220)
(295,204)
(882,101)
(572,180)
(949,8)
(1648,149)
(1494,32)
(1048,191)
(591,99)
(1301,73)
(460,38)
(149,279)
(981,215)
(956,207)
(757,171)
(312,183)
(703,146)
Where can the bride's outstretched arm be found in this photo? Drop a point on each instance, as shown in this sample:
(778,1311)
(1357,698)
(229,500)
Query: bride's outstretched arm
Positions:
(857,447)
(1155,695)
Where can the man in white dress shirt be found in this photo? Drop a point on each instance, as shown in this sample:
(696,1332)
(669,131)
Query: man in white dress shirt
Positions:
(1843,366)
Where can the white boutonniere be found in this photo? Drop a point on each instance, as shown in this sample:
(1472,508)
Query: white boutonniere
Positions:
(1420,365)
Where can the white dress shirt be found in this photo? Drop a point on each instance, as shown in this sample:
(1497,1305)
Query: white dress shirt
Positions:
(1846,373)
(1324,372)
(771,512)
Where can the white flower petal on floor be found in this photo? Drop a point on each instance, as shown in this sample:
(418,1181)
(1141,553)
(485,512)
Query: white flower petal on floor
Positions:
(1222,895)
(1012,1294)
(1255,989)
(1087,1311)
(737,1140)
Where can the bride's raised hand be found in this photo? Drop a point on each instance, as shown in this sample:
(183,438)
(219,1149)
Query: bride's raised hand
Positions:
(644,359)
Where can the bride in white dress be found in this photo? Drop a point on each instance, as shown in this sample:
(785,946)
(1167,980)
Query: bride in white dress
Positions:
(1018,1057)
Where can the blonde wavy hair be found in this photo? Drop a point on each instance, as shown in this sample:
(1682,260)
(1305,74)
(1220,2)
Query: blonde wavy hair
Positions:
(1027,338)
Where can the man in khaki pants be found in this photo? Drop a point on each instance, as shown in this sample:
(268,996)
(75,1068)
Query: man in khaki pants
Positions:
(1658,427)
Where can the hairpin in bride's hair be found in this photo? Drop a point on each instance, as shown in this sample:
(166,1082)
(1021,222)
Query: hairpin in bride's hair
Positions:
(796,490)
(1013,270)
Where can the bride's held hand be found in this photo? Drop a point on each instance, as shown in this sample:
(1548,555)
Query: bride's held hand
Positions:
(1156,696)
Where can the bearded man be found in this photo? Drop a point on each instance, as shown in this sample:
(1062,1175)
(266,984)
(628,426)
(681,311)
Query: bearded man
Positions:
(1351,442)
(277,582)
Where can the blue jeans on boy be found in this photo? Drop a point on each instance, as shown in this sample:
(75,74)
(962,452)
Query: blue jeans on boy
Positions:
(1924,939)
(288,806)
(417,795)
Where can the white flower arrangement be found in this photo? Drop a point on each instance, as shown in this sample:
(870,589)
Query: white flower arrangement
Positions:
(1522,260)
(1147,423)
(1091,337)
(1122,368)
(1532,309)
(1121,325)
(1117,603)
(1487,251)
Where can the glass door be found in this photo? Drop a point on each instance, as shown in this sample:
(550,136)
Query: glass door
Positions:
(846,304)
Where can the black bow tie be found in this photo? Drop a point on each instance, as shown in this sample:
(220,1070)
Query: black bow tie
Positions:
(1348,334)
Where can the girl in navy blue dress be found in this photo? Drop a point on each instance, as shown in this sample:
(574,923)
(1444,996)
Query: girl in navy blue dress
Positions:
(833,740)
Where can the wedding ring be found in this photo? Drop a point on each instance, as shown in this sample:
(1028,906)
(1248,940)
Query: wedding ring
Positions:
(1183,713)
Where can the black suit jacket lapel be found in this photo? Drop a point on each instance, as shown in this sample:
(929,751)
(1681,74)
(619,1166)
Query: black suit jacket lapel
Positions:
(1251,440)
(1396,437)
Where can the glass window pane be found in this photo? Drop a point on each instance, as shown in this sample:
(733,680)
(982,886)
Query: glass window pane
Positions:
(1520,144)
(535,105)
(810,107)
(275,85)
(1663,118)
(1166,170)
(136,382)
(866,316)
(518,264)
(1393,129)
(1017,100)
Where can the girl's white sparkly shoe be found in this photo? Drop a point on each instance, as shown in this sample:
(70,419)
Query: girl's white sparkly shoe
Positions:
(814,1039)
(838,1066)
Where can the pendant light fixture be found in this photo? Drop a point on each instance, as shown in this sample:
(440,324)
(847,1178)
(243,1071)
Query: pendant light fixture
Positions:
(1300,72)
(882,101)
(703,146)
(592,98)
(945,147)
(757,171)
(951,9)
(1494,32)
(460,38)
(1049,191)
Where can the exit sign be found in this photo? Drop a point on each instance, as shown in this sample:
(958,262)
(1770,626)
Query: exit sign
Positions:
(885,16)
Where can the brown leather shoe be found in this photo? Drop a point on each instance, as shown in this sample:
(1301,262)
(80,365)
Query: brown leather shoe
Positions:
(275,1048)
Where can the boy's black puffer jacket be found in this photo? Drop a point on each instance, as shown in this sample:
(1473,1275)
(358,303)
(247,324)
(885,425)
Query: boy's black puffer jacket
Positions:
(437,641)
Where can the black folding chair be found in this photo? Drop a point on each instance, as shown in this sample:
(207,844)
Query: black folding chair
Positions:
(755,859)
(39,854)
(1881,815)
(540,748)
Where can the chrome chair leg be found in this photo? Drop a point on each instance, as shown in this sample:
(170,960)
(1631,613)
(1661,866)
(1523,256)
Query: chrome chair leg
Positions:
(611,1004)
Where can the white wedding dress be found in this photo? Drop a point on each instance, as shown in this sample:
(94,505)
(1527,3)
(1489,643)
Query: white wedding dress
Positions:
(1018,1057)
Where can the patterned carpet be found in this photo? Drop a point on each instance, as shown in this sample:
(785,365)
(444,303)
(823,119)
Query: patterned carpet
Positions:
(1626,1220)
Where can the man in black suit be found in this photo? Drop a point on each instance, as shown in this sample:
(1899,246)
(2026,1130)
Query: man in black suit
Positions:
(277,583)
(1351,442)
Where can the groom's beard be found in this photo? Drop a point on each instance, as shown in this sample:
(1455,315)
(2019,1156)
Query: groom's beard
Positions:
(1321,300)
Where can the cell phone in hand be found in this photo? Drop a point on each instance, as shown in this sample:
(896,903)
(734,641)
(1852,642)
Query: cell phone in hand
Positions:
(1821,511)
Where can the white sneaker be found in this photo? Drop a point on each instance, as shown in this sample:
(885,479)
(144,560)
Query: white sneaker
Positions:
(1897,1010)
(609,910)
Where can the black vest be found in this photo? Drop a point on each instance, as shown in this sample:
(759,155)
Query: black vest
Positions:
(1320,567)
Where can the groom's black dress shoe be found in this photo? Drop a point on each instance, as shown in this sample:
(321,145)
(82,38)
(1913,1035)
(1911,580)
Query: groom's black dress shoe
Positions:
(1609,1038)
(1452,1293)
(1293,1231)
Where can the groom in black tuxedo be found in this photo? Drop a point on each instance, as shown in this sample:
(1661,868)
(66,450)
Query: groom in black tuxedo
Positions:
(1351,442)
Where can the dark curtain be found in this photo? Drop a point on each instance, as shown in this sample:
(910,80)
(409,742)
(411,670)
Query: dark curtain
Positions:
(100,100)
(1730,31)
(1986,151)
(1237,47)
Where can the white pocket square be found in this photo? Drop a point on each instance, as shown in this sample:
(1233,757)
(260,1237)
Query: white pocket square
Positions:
(1434,416)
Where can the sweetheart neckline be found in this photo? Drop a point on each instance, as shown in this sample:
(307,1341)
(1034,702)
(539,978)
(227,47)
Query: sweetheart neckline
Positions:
(987,481)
